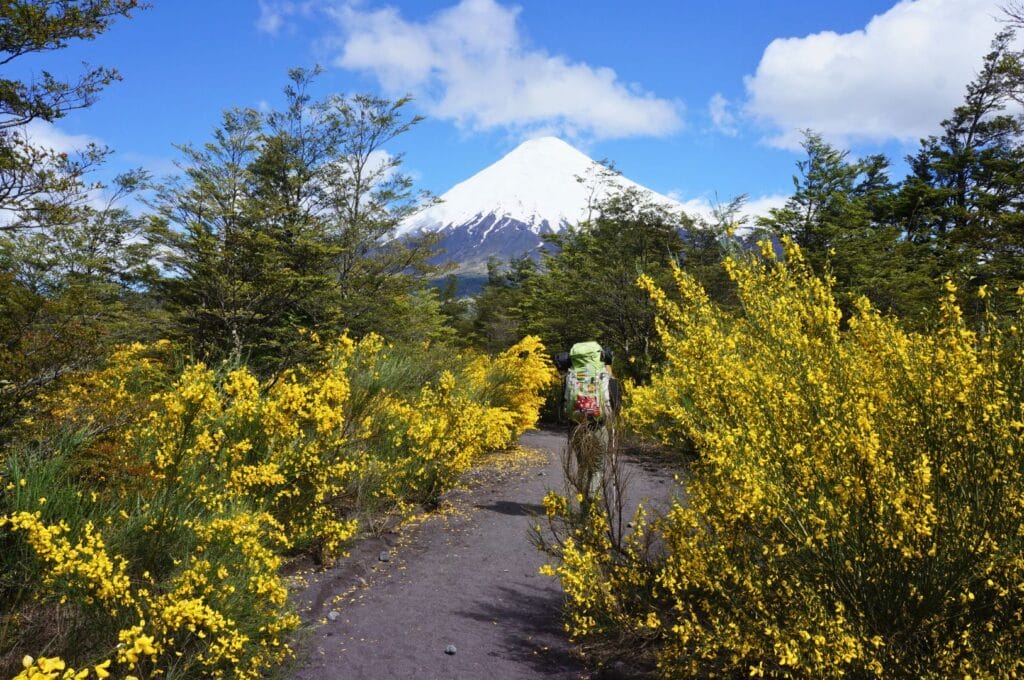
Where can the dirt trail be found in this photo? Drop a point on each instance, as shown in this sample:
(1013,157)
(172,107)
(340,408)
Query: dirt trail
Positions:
(467,578)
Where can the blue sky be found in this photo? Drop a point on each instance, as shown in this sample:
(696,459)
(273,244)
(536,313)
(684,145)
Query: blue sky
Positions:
(694,100)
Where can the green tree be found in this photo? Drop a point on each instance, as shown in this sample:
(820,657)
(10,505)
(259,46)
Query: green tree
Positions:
(588,287)
(962,201)
(69,293)
(706,246)
(231,286)
(458,311)
(35,181)
(69,271)
(498,316)
(383,280)
(841,215)
(282,222)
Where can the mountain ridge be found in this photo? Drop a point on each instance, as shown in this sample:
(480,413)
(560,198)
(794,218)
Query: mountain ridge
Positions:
(541,187)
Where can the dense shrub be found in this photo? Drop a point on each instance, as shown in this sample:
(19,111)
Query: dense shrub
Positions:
(857,504)
(144,515)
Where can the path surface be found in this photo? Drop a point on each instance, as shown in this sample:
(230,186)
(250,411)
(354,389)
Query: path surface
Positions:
(467,577)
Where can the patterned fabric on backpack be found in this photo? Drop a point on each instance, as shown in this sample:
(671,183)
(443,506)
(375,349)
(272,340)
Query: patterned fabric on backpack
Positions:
(586,384)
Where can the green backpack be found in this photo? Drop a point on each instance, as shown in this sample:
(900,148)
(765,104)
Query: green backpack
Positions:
(586,384)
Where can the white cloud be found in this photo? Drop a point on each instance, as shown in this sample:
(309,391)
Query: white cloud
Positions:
(49,136)
(470,64)
(271,18)
(44,135)
(703,207)
(380,161)
(719,108)
(895,79)
(276,15)
(699,208)
(760,206)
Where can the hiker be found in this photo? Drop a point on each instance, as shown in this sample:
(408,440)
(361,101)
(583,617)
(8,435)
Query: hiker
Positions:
(591,401)
(583,355)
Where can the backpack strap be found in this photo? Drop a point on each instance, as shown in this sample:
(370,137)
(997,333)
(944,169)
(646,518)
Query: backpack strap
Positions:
(562,361)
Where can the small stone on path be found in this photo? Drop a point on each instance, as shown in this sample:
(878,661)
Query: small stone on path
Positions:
(384,556)
(449,650)
(333,615)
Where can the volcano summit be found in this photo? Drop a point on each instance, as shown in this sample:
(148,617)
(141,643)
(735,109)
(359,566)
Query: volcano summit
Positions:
(540,187)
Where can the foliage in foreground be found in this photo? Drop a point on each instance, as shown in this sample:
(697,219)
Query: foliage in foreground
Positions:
(857,504)
(146,536)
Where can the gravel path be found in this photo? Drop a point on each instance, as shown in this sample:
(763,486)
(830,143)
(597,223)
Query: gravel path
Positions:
(466,577)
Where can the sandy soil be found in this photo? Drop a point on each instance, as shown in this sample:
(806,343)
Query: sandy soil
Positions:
(465,577)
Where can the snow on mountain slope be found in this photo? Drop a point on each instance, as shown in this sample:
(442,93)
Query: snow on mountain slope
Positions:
(503,209)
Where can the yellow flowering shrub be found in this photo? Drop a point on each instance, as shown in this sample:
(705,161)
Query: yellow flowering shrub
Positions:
(103,403)
(857,502)
(225,437)
(51,668)
(118,390)
(516,379)
(194,610)
(85,566)
(432,437)
(157,522)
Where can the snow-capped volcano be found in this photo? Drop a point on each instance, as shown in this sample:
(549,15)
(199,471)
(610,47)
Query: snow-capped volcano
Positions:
(541,186)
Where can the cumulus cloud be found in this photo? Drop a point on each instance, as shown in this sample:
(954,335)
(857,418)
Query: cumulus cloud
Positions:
(271,18)
(44,135)
(703,208)
(895,79)
(277,15)
(760,206)
(470,64)
(382,162)
(722,117)
(49,136)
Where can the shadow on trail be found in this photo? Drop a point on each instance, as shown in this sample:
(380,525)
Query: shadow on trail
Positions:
(513,508)
(529,619)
